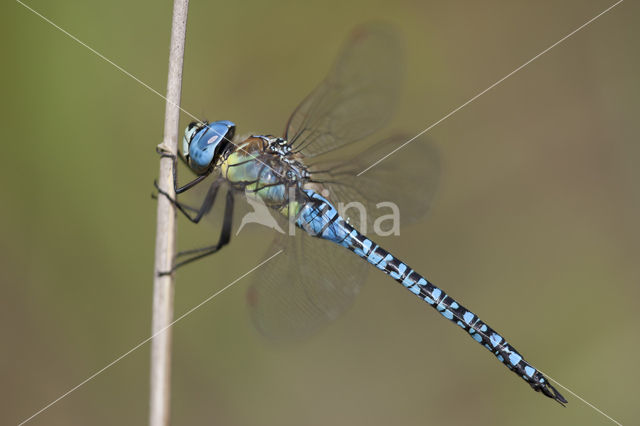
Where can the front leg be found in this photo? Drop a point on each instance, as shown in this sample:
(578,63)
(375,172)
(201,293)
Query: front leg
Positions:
(179,189)
(206,206)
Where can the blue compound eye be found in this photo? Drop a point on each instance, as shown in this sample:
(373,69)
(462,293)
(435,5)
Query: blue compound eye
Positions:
(189,133)
(203,143)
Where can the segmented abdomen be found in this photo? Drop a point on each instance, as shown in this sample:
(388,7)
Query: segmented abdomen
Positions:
(319,218)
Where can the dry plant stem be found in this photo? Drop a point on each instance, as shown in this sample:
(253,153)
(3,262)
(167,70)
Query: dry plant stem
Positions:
(163,286)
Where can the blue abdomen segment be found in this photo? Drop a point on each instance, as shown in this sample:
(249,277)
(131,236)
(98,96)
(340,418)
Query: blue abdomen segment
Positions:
(321,219)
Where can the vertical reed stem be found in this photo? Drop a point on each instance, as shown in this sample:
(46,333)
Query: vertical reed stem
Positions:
(163,286)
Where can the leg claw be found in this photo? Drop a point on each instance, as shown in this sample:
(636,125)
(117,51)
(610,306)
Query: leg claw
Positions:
(160,191)
(165,273)
(164,151)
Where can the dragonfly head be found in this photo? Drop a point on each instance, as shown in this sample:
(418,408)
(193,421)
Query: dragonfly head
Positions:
(204,142)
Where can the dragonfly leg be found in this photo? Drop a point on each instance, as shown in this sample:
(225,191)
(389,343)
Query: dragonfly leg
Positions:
(205,208)
(184,206)
(225,236)
(174,158)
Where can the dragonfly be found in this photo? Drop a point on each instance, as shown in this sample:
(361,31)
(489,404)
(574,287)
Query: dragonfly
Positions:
(302,175)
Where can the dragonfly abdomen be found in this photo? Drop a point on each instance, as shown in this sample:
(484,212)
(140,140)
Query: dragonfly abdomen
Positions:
(321,219)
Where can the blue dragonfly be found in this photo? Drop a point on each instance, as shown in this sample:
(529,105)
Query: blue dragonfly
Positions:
(304,174)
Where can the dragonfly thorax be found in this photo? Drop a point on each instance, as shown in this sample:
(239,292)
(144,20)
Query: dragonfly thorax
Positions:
(265,168)
(277,145)
(282,161)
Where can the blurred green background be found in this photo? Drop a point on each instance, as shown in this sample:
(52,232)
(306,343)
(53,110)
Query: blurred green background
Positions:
(534,227)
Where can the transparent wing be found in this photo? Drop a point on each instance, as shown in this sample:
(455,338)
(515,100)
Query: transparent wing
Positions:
(355,99)
(409,179)
(299,292)
(314,280)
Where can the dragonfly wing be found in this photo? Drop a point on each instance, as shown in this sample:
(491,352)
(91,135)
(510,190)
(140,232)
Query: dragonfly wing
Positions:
(355,99)
(305,288)
(314,280)
(408,178)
